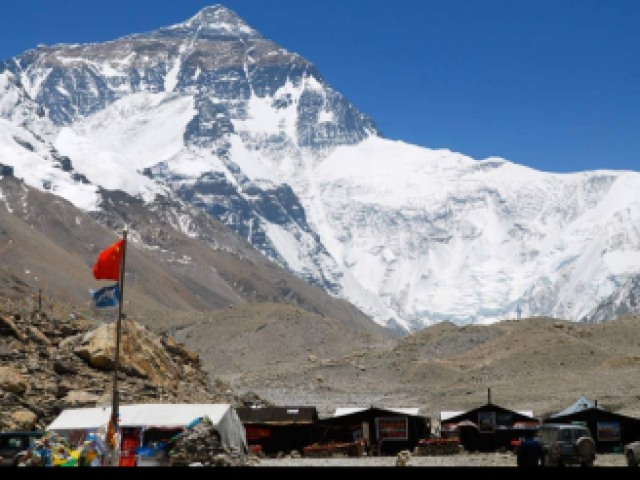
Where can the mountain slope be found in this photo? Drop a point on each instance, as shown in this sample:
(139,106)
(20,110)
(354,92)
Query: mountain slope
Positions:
(624,301)
(213,113)
(46,242)
(539,364)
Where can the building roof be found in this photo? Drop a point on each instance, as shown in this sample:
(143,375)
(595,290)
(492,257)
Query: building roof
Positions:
(340,412)
(143,415)
(444,416)
(277,415)
(583,403)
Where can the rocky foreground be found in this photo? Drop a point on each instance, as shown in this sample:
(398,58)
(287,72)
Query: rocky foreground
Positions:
(50,364)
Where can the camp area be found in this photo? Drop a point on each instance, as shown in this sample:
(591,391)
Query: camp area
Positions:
(279,429)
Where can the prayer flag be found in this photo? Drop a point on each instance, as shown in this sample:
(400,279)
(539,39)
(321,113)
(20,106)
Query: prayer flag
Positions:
(106,297)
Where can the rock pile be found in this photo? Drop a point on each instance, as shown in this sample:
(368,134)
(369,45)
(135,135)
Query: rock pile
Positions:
(50,364)
(201,445)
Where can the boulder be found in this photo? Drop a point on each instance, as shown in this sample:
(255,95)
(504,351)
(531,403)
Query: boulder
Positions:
(24,420)
(80,397)
(141,352)
(11,380)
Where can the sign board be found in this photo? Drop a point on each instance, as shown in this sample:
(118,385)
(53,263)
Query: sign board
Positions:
(392,428)
(256,433)
(487,422)
(609,431)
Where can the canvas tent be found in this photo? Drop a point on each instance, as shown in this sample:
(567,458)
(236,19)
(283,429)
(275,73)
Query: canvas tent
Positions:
(583,403)
(386,431)
(78,422)
(488,427)
(279,429)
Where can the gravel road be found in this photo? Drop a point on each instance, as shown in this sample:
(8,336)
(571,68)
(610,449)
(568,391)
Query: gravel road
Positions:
(464,460)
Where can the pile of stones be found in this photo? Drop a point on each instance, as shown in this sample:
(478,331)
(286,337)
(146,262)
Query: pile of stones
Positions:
(201,445)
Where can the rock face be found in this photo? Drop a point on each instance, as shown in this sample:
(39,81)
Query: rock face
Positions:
(74,368)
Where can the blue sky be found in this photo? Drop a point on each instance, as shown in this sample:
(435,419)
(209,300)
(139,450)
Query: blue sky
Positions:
(551,84)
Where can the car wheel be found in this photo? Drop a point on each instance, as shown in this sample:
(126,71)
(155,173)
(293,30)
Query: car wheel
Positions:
(631,460)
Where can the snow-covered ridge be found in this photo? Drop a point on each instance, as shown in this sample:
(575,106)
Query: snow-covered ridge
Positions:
(215,23)
(624,301)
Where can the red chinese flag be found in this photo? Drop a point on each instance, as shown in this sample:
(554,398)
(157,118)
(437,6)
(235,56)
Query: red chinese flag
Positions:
(108,265)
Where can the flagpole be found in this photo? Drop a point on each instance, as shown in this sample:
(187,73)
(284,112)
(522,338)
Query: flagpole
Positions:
(115,400)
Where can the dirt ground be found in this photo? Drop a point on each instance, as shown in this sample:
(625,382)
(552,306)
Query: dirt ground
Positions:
(464,460)
(542,365)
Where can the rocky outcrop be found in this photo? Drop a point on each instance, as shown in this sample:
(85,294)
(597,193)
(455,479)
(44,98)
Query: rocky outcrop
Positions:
(48,366)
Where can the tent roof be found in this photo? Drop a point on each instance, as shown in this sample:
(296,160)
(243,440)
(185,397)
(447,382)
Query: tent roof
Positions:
(444,416)
(583,403)
(142,415)
(277,415)
(340,412)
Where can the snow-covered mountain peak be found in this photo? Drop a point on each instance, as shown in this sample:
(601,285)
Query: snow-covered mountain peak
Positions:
(254,135)
(211,23)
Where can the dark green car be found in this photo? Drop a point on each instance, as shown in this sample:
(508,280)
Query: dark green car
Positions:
(14,444)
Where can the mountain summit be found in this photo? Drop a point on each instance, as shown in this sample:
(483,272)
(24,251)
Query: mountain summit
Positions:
(210,23)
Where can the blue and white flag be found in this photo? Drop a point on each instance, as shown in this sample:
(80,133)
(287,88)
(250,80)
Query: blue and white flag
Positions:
(106,297)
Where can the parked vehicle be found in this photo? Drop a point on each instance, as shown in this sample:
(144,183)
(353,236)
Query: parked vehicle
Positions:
(14,444)
(566,445)
(632,454)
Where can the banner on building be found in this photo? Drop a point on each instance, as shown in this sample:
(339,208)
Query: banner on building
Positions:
(392,428)
(609,431)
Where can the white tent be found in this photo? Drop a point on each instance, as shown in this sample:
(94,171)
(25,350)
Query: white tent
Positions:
(223,417)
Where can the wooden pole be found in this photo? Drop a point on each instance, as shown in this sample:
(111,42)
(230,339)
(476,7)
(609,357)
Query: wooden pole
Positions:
(115,399)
